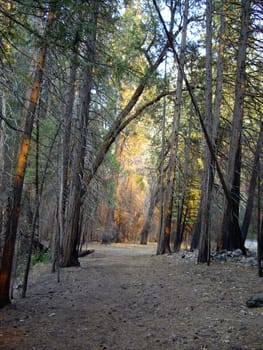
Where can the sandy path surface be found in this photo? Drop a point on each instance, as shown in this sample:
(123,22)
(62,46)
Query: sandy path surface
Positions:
(127,298)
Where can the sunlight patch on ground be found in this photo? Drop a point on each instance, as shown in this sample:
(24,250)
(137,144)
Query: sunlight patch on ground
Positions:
(124,248)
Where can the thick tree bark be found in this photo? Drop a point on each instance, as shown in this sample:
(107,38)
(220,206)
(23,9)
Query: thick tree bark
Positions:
(70,240)
(20,169)
(231,233)
(183,208)
(4,171)
(179,226)
(252,186)
(66,120)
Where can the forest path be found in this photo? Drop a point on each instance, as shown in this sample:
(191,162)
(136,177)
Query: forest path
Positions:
(127,298)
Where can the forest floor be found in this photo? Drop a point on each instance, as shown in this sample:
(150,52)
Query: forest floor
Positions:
(124,297)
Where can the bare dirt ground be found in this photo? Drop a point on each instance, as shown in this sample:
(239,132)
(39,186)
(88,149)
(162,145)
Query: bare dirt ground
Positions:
(127,298)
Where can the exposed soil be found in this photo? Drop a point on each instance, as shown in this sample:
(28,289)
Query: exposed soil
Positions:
(127,298)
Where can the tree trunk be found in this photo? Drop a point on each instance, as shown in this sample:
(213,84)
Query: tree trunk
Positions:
(119,147)
(66,119)
(179,227)
(197,230)
(20,169)
(260,247)
(35,215)
(218,98)
(259,224)
(4,171)
(70,240)
(161,183)
(252,186)
(147,223)
(183,205)
(200,118)
(204,249)
(231,233)
(164,244)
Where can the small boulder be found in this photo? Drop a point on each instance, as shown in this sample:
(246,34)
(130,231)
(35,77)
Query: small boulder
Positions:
(255,301)
(237,253)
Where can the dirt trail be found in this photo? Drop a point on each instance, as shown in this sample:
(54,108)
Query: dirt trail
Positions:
(127,298)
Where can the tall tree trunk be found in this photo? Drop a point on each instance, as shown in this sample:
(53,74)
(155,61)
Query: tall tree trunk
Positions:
(182,213)
(219,79)
(179,226)
(5,157)
(66,120)
(35,215)
(20,169)
(70,240)
(4,171)
(231,233)
(259,224)
(218,90)
(161,183)
(164,245)
(252,185)
(204,249)
(215,117)
(260,249)
(119,147)
(197,229)
(149,215)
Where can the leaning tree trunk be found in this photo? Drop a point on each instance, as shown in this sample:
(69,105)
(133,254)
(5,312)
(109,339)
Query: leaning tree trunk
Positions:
(20,169)
(200,118)
(124,119)
(231,233)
